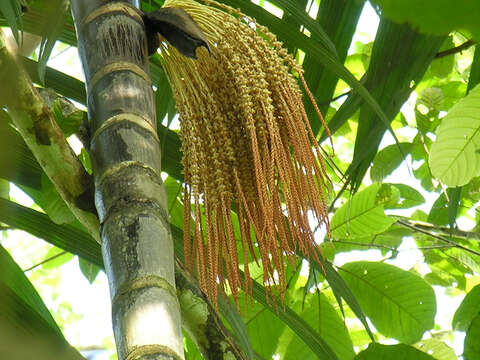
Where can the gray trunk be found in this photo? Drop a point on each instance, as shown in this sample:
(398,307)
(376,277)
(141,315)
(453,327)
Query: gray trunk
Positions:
(136,241)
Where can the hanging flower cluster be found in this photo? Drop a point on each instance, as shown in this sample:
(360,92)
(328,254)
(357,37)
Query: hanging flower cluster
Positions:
(253,169)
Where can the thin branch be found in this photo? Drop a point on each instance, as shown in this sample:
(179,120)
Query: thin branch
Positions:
(380,246)
(467,235)
(45,261)
(455,49)
(414,227)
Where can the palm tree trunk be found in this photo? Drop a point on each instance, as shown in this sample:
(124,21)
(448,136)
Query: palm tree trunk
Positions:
(136,241)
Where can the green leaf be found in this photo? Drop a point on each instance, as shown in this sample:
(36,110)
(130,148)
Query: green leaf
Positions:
(310,337)
(67,116)
(12,11)
(231,314)
(438,349)
(89,270)
(53,204)
(387,160)
(264,330)
(26,324)
(454,197)
(361,216)
(399,303)
(342,291)
(4,189)
(471,345)
(320,314)
(392,238)
(408,197)
(439,212)
(443,66)
(474,79)
(400,57)
(467,311)
(12,277)
(56,257)
(454,156)
(56,14)
(339,19)
(392,352)
(434,16)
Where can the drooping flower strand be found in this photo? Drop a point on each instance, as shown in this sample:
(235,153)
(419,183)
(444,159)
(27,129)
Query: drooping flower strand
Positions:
(248,146)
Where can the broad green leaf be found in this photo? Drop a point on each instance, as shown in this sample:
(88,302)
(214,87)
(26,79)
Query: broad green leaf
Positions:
(435,16)
(342,291)
(387,160)
(264,330)
(467,311)
(439,212)
(454,156)
(88,269)
(392,352)
(321,315)
(438,349)
(445,269)
(361,216)
(408,197)
(442,67)
(431,98)
(311,338)
(12,11)
(471,345)
(399,303)
(27,328)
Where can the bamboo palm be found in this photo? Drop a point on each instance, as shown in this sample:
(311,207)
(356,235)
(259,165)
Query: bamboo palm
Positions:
(136,241)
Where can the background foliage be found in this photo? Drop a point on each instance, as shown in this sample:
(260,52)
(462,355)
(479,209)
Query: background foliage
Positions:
(403,108)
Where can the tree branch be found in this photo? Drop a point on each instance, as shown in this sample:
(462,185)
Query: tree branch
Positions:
(468,235)
(455,49)
(432,232)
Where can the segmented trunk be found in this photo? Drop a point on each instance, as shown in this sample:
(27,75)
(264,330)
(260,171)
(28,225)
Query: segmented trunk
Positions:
(136,242)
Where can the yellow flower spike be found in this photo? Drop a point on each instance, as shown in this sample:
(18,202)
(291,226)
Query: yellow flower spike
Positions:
(247,146)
